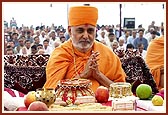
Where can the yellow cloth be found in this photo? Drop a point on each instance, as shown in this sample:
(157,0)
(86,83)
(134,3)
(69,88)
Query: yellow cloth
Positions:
(155,58)
(80,15)
(61,64)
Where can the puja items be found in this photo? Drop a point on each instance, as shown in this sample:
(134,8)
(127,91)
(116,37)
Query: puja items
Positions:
(74,91)
(124,104)
(89,107)
(120,89)
(46,95)
(102,94)
(37,106)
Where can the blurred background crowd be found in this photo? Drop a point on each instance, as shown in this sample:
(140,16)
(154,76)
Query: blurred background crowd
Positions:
(43,39)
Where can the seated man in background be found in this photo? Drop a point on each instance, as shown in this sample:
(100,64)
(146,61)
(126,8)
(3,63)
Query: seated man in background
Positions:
(34,50)
(129,47)
(155,60)
(9,51)
(114,45)
(82,56)
(141,51)
(41,51)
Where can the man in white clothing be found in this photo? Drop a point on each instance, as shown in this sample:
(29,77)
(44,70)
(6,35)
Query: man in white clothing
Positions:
(111,38)
(53,39)
(125,36)
(46,47)
(122,45)
(151,35)
(103,38)
(42,37)
(142,51)
(27,49)
(102,29)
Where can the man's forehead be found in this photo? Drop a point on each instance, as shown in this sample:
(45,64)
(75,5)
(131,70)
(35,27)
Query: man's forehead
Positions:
(85,25)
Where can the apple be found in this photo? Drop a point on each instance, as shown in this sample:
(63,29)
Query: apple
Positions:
(161,91)
(37,106)
(29,98)
(102,94)
(160,94)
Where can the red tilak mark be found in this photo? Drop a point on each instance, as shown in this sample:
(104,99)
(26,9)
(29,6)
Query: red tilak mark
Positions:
(86,25)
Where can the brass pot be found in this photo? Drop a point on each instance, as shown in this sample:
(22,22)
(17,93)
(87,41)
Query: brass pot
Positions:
(120,89)
(46,95)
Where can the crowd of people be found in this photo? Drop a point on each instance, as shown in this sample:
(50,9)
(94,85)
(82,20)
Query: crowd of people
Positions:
(43,40)
(39,40)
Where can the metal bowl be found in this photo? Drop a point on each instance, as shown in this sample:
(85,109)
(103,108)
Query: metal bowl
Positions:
(46,95)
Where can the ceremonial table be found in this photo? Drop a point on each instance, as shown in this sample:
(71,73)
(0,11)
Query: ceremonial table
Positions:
(141,105)
(16,99)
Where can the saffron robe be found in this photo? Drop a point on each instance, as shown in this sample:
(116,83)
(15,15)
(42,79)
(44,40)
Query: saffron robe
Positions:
(62,61)
(155,58)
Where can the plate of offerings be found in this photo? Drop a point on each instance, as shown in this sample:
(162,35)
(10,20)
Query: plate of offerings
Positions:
(74,91)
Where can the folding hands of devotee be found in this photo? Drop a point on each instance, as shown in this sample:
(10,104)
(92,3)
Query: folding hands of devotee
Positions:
(91,68)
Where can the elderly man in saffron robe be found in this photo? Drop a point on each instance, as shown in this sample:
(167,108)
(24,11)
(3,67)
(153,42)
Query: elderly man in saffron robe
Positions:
(82,56)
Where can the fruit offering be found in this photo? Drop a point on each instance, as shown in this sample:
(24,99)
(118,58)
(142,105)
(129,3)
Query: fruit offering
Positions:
(144,91)
(29,98)
(102,94)
(46,96)
(37,106)
(157,100)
